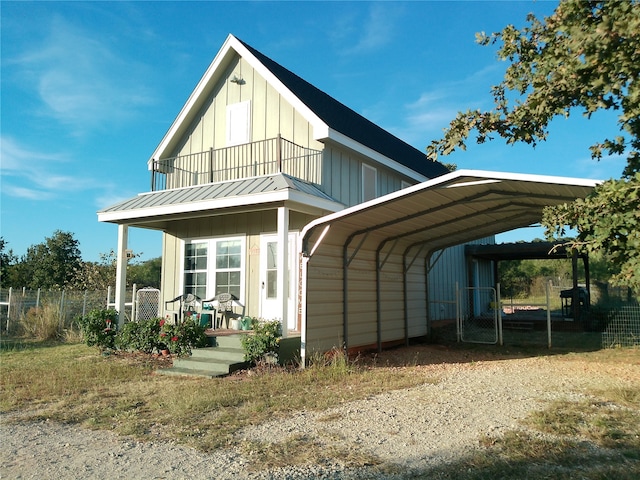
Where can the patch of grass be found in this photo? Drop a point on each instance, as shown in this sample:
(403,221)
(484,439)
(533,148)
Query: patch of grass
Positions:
(71,383)
(302,450)
(519,455)
(593,439)
(610,420)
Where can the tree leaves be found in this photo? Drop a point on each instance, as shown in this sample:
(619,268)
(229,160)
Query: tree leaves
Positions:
(585,56)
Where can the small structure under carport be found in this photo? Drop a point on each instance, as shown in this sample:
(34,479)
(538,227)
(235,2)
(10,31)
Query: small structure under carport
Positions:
(540,251)
(365,269)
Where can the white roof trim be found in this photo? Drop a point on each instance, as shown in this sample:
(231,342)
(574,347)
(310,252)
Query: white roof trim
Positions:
(488,176)
(219,203)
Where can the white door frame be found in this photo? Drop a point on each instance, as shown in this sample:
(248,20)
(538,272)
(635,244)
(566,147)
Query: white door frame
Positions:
(272,308)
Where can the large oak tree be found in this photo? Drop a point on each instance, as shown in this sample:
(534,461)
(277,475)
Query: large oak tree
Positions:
(585,57)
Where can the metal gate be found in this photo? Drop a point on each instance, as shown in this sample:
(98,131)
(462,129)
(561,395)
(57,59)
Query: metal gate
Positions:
(147,302)
(477,314)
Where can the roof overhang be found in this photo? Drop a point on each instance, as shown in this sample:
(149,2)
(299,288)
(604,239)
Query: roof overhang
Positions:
(155,209)
(455,208)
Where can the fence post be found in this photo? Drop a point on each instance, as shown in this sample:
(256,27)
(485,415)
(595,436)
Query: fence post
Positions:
(499,312)
(84,304)
(548,284)
(38,299)
(458,320)
(61,316)
(133,302)
(108,296)
(9,309)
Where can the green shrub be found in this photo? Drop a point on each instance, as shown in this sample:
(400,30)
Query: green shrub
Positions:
(140,336)
(179,339)
(99,328)
(264,340)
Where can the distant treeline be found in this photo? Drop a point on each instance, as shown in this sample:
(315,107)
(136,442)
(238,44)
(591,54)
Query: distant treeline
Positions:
(57,263)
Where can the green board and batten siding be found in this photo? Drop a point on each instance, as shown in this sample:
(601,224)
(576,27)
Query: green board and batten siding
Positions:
(249,225)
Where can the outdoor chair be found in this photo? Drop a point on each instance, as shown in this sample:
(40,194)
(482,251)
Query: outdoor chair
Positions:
(225,308)
(188,303)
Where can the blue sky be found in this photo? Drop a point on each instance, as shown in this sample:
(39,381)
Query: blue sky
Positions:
(89,89)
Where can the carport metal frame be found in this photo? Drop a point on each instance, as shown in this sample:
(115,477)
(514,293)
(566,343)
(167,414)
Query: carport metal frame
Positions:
(481,189)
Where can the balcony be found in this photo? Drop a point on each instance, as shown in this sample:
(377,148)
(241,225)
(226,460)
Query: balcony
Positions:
(266,157)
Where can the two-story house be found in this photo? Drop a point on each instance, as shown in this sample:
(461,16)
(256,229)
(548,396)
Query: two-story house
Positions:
(255,156)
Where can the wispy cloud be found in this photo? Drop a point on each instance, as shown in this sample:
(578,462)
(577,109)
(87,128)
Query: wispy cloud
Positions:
(31,174)
(609,166)
(82,81)
(426,117)
(356,35)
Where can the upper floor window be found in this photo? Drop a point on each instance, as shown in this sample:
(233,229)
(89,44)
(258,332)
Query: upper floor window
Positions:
(369,183)
(238,123)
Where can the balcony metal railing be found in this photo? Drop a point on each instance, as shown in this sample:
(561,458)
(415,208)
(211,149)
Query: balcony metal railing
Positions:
(266,157)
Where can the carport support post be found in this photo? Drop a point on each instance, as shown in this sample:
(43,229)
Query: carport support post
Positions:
(378,303)
(499,313)
(121,272)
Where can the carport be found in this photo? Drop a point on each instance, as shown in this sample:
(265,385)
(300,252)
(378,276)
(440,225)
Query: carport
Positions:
(365,274)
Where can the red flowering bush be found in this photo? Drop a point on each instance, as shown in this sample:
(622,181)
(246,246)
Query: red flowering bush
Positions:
(180,338)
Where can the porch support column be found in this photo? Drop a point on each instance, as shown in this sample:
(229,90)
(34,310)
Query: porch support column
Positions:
(283,266)
(121,272)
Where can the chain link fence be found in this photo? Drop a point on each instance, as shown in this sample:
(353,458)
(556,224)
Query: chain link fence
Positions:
(69,305)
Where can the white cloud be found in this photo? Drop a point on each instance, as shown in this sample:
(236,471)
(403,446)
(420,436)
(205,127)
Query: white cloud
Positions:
(609,166)
(25,193)
(82,81)
(31,174)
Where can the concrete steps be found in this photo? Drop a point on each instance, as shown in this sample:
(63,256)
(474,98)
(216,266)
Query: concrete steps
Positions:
(224,356)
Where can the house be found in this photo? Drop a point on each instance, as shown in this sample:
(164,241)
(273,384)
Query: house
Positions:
(259,179)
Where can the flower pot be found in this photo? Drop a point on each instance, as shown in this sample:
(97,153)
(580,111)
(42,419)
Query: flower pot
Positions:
(164,352)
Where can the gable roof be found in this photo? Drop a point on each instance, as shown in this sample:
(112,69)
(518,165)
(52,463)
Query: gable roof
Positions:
(346,121)
(330,118)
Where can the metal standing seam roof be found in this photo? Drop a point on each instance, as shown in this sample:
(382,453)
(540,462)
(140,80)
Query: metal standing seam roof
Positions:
(459,207)
(189,197)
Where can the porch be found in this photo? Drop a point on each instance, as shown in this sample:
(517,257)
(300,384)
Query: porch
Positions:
(265,157)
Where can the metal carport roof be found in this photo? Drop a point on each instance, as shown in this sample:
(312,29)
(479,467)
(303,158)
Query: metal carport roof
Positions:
(418,221)
(454,208)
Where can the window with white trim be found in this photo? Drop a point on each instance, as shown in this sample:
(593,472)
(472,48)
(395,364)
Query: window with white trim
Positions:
(195,268)
(369,182)
(238,123)
(214,266)
(228,268)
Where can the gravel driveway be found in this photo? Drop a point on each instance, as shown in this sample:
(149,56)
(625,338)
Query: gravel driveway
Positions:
(412,429)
